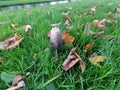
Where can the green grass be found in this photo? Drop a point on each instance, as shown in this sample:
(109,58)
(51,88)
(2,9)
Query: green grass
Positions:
(13,2)
(44,67)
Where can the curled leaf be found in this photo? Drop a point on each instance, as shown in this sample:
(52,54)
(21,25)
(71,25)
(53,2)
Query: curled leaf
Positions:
(11,42)
(91,11)
(26,28)
(17,83)
(110,15)
(72,59)
(17,79)
(100,23)
(117,9)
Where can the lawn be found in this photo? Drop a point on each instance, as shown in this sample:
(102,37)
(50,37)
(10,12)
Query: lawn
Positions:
(13,2)
(43,67)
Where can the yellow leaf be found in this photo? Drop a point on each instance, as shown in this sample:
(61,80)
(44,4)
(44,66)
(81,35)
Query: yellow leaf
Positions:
(96,59)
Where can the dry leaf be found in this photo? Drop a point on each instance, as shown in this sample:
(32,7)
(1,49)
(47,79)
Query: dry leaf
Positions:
(14,26)
(26,27)
(110,15)
(1,59)
(96,59)
(117,9)
(72,59)
(3,23)
(67,38)
(89,46)
(91,11)
(17,83)
(35,56)
(98,34)
(48,35)
(87,29)
(11,42)
(67,18)
(100,23)
(17,79)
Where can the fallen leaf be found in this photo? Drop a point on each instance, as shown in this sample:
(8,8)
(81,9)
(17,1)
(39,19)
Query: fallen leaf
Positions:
(17,79)
(67,18)
(11,42)
(72,59)
(35,56)
(91,11)
(1,59)
(20,84)
(48,35)
(100,23)
(89,46)
(26,28)
(14,26)
(3,23)
(117,9)
(96,59)
(17,83)
(110,15)
(68,39)
(88,30)
(98,34)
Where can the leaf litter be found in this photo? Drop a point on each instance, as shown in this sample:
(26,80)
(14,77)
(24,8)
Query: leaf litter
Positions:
(72,59)
(11,42)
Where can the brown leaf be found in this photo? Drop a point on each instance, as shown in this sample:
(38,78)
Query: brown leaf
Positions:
(100,23)
(11,42)
(26,28)
(91,11)
(17,79)
(67,38)
(72,59)
(67,20)
(89,46)
(20,84)
(87,29)
(110,15)
(17,83)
